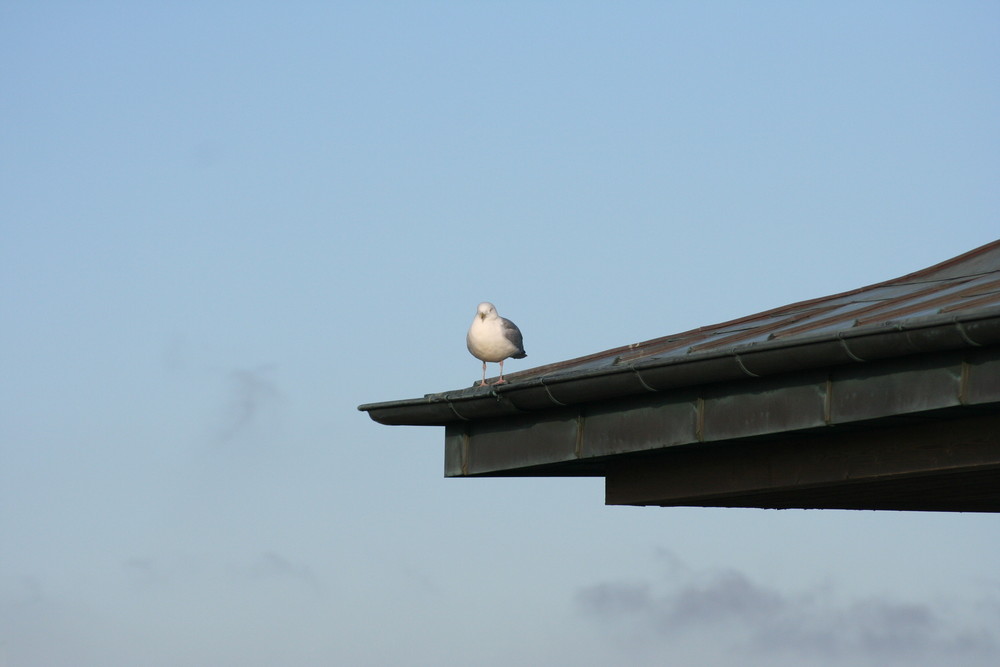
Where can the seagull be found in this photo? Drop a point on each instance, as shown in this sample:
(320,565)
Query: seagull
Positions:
(493,338)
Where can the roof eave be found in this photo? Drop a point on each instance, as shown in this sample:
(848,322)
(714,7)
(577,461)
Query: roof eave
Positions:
(856,345)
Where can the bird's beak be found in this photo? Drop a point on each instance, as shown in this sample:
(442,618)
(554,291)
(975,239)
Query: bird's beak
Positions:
(482,316)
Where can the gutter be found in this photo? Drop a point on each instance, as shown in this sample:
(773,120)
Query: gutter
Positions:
(935,333)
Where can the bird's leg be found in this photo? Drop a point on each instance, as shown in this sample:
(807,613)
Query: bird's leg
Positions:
(483,383)
(501,380)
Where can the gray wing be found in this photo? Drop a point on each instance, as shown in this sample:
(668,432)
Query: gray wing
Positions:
(513,334)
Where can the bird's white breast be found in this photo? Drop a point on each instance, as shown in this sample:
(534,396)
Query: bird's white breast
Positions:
(487,342)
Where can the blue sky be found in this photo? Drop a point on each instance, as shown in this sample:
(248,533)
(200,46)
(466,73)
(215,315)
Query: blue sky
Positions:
(225,225)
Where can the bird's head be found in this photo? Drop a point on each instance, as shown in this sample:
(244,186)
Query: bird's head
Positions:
(484,310)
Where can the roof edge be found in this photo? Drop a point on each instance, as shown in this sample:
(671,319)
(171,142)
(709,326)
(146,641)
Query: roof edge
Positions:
(859,345)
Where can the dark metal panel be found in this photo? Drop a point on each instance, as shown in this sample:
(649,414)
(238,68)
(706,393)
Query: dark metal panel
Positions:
(565,440)
(752,407)
(812,470)
(896,387)
(968,490)
(764,406)
(982,383)
(500,445)
(647,423)
(456,443)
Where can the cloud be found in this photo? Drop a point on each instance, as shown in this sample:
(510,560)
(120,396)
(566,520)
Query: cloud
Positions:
(721,596)
(245,402)
(746,618)
(143,570)
(21,593)
(616,598)
(274,566)
(727,594)
(252,395)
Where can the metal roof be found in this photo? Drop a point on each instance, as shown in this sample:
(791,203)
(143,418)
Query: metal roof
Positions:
(952,305)
(884,397)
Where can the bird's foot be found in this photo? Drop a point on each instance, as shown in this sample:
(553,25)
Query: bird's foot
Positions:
(500,381)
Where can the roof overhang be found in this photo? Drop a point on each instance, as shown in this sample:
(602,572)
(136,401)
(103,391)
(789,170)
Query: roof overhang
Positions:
(833,404)
(827,438)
